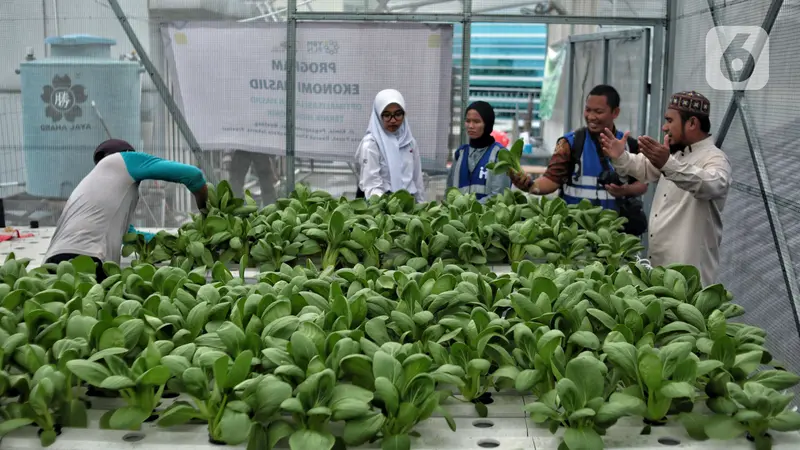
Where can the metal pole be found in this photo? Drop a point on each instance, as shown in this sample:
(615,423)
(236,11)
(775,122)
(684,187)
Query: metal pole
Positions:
(102,122)
(657,76)
(730,112)
(291,91)
(161,87)
(606,60)
(568,110)
(656,84)
(643,94)
(490,18)
(466,54)
(669,51)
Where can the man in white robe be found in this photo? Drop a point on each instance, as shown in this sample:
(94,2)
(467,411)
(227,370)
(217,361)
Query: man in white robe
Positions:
(693,176)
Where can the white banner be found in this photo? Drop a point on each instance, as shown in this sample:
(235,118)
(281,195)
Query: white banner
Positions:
(231,84)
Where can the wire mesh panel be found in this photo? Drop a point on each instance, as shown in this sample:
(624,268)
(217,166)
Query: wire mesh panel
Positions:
(333,110)
(278,7)
(12,175)
(232,89)
(620,59)
(587,72)
(749,265)
(761,213)
(590,8)
(627,72)
(689,69)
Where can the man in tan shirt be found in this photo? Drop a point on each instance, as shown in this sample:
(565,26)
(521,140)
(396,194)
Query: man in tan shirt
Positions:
(694,178)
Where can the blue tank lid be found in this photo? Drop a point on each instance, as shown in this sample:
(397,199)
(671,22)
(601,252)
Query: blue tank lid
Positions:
(79,39)
(80,46)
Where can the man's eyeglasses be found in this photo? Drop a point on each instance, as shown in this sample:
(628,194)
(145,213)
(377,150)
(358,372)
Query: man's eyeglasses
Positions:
(397,115)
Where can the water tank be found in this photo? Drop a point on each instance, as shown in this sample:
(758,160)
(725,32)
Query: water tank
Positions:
(64,98)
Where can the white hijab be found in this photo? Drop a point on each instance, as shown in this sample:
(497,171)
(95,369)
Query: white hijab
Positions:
(390,143)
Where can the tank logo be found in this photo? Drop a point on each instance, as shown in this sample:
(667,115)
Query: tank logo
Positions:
(63,99)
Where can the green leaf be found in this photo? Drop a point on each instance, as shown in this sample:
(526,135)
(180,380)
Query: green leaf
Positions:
(358,432)
(157,376)
(724,350)
(48,437)
(624,356)
(128,418)
(177,414)
(542,285)
(570,395)
(76,410)
(385,365)
(671,355)
(748,362)
(302,349)
(695,425)
(582,439)
(349,402)
(776,379)
(90,372)
(785,421)
(401,442)
(111,338)
(234,427)
(308,439)
(678,390)
(587,375)
(116,383)
(84,264)
(525,380)
(540,412)
(650,369)
(619,405)
(8,426)
(387,393)
(691,315)
(723,428)
(585,339)
(107,352)
(276,431)
(240,369)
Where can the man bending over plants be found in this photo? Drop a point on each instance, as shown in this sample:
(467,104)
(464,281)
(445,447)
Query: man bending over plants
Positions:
(98,212)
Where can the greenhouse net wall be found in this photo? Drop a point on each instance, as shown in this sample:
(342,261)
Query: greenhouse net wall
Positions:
(759,134)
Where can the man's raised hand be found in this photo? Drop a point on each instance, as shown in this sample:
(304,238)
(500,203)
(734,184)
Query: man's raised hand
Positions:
(613,147)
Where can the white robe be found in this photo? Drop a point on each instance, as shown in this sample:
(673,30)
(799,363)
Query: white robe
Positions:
(685,223)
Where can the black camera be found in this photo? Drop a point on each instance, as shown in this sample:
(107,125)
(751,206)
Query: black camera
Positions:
(608,177)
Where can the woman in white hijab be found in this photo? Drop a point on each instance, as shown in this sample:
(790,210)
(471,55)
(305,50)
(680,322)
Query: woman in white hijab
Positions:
(388,159)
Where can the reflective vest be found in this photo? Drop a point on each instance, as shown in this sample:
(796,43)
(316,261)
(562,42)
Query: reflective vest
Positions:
(474,182)
(583,181)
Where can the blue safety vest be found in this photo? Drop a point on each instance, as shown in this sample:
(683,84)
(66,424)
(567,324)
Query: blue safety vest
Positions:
(583,181)
(474,182)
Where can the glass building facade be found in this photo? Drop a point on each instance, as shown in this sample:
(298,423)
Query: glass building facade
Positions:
(506,64)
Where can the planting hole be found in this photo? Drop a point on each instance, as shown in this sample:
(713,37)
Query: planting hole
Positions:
(482,423)
(488,443)
(668,441)
(133,437)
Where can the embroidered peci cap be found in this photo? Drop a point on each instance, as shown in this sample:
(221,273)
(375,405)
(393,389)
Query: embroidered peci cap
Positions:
(692,102)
